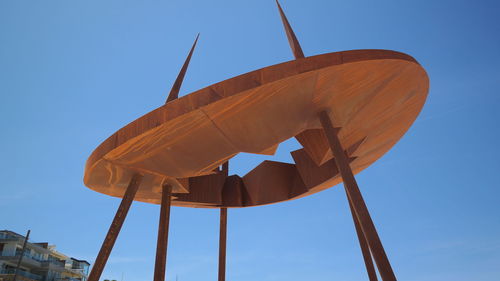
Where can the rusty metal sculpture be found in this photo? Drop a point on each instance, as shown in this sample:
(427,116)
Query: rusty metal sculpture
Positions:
(345,108)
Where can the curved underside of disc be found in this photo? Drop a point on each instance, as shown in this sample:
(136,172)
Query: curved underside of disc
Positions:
(372,95)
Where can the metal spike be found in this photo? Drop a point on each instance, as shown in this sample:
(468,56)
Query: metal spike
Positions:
(292,39)
(174,92)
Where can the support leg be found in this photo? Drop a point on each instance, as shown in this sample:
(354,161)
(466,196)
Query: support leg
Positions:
(356,198)
(162,243)
(223,233)
(365,250)
(115,228)
(222,244)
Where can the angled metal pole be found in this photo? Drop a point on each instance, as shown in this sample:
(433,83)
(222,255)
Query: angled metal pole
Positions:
(223,234)
(162,243)
(115,228)
(22,254)
(365,250)
(174,92)
(354,196)
(292,39)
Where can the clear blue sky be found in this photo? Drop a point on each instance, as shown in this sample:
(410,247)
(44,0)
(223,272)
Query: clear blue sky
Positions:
(73,72)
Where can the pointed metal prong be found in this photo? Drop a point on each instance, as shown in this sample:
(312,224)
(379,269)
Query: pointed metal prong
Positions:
(292,39)
(174,92)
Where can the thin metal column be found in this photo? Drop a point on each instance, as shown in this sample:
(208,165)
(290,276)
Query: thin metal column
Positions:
(356,198)
(162,243)
(115,228)
(22,255)
(222,244)
(223,234)
(365,250)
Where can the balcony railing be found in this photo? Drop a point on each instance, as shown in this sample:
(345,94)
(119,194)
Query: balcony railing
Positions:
(22,273)
(10,236)
(54,262)
(43,262)
(79,271)
(27,255)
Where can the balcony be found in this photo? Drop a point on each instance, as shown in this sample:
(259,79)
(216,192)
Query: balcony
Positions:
(49,263)
(25,274)
(79,271)
(27,255)
(10,237)
(28,260)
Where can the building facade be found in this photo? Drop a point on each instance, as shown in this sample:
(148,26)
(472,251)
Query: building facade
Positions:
(40,261)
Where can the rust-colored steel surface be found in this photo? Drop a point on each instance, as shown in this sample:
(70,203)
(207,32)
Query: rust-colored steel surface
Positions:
(115,228)
(356,199)
(363,245)
(162,241)
(346,109)
(374,95)
(222,244)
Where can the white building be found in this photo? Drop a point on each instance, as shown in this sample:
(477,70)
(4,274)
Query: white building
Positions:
(40,262)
